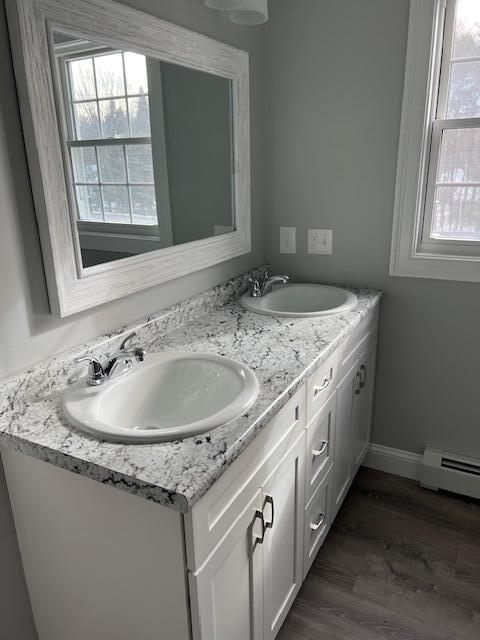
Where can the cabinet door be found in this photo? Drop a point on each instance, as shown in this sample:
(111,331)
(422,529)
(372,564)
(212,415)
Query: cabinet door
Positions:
(283,506)
(343,431)
(363,407)
(227,593)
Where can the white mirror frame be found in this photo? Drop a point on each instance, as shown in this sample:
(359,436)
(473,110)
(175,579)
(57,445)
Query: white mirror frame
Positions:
(71,287)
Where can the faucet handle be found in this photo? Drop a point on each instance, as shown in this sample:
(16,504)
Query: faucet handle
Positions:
(126,340)
(135,352)
(96,372)
(267,273)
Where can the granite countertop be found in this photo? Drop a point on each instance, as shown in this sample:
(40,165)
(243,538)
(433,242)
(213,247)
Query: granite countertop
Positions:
(282,352)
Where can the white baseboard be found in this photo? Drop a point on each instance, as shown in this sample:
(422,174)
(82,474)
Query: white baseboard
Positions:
(395,461)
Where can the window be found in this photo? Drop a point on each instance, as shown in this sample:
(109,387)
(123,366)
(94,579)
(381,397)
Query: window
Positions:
(109,137)
(437,206)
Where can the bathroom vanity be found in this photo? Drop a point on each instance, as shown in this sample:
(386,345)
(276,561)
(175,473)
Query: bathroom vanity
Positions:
(207,538)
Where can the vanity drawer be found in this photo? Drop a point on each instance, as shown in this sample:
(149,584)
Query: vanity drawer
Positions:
(320,446)
(317,521)
(356,342)
(321,385)
(210,519)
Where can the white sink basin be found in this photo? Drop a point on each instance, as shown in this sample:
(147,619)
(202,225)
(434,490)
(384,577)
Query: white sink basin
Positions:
(168,396)
(301,301)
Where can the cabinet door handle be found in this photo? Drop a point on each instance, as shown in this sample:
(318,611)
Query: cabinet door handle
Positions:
(316,525)
(318,388)
(363,369)
(323,447)
(259,515)
(358,376)
(269,500)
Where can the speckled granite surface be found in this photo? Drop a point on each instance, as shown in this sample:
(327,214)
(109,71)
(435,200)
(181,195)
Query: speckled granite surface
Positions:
(283,352)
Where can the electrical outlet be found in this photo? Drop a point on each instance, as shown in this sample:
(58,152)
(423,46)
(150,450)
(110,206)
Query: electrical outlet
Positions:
(320,241)
(287,240)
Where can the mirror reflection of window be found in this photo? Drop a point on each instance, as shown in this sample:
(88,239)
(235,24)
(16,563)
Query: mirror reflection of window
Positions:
(108,100)
(150,148)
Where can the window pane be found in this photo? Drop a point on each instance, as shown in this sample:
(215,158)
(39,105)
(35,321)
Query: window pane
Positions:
(456,214)
(89,203)
(464,90)
(460,156)
(84,164)
(116,203)
(136,73)
(139,161)
(466,43)
(109,72)
(113,114)
(81,79)
(112,164)
(87,125)
(139,116)
(144,205)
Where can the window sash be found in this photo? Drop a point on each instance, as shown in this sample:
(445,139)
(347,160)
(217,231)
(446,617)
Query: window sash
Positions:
(436,245)
(108,142)
(427,244)
(124,142)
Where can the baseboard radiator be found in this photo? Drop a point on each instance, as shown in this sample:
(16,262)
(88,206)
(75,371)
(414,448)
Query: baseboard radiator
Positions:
(450,471)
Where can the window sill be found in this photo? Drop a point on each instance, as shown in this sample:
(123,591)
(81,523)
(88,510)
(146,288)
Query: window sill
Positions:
(441,267)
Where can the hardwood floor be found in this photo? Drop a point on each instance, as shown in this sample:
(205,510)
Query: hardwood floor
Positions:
(400,563)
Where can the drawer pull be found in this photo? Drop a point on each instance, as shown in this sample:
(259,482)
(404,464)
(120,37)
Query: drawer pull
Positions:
(316,525)
(269,500)
(363,369)
(323,448)
(319,388)
(259,515)
(358,376)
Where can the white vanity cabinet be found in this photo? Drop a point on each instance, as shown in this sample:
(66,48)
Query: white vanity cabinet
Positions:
(226,595)
(248,582)
(231,567)
(363,406)
(354,405)
(283,547)
(254,535)
(343,432)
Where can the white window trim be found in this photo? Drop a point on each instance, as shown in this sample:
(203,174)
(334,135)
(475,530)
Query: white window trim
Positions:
(409,256)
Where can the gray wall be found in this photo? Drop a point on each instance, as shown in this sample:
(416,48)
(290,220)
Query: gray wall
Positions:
(334,77)
(28,332)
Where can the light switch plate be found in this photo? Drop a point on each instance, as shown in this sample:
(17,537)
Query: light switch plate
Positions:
(288,240)
(320,241)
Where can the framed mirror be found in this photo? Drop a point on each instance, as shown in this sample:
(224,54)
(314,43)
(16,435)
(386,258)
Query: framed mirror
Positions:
(137,134)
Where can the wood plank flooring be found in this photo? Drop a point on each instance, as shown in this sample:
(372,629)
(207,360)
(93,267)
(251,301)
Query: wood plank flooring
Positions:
(400,563)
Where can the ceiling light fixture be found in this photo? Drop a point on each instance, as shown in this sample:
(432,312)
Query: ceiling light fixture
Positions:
(243,12)
(225,5)
(253,12)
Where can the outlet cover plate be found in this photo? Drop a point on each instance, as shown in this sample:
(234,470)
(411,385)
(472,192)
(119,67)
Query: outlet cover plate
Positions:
(320,241)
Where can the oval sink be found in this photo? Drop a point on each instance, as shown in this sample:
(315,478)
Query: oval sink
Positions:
(301,301)
(169,396)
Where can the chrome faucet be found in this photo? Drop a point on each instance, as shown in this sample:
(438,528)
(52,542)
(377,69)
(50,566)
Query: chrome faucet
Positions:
(263,285)
(119,363)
